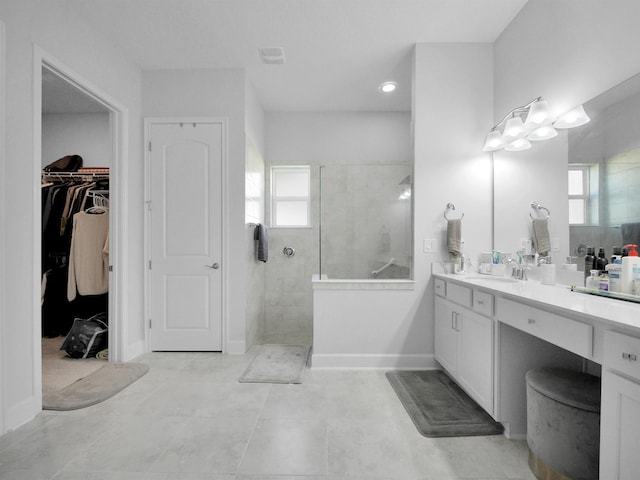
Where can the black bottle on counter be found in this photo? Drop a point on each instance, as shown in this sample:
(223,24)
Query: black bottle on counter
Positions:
(601,261)
(589,261)
(617,254)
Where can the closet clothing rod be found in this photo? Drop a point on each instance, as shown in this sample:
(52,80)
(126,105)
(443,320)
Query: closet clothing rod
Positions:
(74,175)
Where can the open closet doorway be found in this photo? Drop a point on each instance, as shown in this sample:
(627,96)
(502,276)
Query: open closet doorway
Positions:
(79,140)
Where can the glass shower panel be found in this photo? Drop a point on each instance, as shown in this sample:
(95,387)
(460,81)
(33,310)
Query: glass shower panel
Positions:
(365,221)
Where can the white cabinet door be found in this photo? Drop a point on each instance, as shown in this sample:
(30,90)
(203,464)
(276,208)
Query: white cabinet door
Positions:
(619,437)
(186,236)
(446,337)
(464,346)
(475,357)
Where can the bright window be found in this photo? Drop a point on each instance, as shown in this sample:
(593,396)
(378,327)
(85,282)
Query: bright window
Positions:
(578,195)
(290,196)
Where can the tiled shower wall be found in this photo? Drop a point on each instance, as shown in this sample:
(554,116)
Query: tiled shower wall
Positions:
(288,293)
(365,222)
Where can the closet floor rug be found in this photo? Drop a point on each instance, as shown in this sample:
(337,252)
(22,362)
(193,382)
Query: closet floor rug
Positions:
(95,387)
(440,408)
(277,364)
(58,370)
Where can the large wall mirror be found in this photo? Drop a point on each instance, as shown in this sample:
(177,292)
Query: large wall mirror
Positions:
(604,172)
(598,162)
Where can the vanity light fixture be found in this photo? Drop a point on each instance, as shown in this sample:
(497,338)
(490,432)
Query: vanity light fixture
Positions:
(538,125)
(388,87)
(573,118)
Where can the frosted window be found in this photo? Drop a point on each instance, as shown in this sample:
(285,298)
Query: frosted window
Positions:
(576,211)
(292,184)
(576,182)
(290,196)
(291,213)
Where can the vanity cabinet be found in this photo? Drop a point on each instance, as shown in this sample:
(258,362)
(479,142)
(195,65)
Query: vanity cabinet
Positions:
(620,408)
(464,340)
(569,334)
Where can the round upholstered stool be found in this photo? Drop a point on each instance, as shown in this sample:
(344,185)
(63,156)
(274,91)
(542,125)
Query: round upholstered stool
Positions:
(563,424)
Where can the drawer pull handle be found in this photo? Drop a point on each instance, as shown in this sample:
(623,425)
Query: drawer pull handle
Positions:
(480,302)
(629,356)
(532,321)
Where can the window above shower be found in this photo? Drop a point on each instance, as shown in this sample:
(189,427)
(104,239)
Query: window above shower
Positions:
(291,196)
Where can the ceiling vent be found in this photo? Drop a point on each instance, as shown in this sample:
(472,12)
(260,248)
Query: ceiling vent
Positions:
(272,55)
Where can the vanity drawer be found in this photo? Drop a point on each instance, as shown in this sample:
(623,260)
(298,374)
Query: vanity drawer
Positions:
(483,303)
(440,287)
(622,353)
(459,294)
(577,337)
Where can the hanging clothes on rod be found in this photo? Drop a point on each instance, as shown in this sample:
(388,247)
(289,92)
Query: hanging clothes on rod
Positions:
(89,253)
(64,195)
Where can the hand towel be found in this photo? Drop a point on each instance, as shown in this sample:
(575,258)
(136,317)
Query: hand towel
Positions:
(541,241)
(454,235)
(261,236)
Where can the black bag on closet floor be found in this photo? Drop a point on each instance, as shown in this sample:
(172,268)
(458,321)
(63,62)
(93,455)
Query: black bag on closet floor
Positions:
(87,337)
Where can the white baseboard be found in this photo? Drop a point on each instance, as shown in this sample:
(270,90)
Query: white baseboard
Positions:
(134,351)
(23,412)
(373,361)
(236,347)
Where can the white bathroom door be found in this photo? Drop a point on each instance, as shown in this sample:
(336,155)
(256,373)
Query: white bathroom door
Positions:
(186,236)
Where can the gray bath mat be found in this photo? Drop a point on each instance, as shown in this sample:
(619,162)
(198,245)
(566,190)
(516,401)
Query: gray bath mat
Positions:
(277,364)
(94,388)
(439,407)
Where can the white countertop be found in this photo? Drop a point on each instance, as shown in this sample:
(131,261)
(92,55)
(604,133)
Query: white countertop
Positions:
(557,298)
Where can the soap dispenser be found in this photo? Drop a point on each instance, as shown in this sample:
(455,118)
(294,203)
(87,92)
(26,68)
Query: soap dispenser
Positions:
(628,263)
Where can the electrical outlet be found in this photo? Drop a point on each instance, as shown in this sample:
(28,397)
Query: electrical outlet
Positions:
(555,244)
(429,245)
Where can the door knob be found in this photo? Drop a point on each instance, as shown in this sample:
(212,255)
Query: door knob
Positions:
(215,266)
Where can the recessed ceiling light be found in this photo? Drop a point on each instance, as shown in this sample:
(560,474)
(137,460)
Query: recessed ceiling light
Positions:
(388,87)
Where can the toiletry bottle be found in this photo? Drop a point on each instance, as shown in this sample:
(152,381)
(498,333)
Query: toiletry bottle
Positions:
(628,262)
(601,261)
(614,270)
(616,255)
(588,263)
(593,282)
(636,280)
(603,282)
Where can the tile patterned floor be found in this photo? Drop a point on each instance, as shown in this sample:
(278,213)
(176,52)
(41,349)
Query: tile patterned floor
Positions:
(190,419)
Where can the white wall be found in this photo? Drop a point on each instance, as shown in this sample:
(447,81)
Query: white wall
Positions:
(452,103)
(214,93)
(568,52)
(61,34)
(84,134)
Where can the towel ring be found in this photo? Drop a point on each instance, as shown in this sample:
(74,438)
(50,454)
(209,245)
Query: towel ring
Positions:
(451,206)
(537,207)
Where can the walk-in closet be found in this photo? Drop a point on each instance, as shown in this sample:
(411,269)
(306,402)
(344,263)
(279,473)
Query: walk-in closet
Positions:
(76,159)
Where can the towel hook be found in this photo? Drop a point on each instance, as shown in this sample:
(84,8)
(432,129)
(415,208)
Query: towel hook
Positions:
(451,206)
(537,207)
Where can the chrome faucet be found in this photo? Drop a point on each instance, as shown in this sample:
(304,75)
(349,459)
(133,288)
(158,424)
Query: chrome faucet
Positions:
(518,270)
